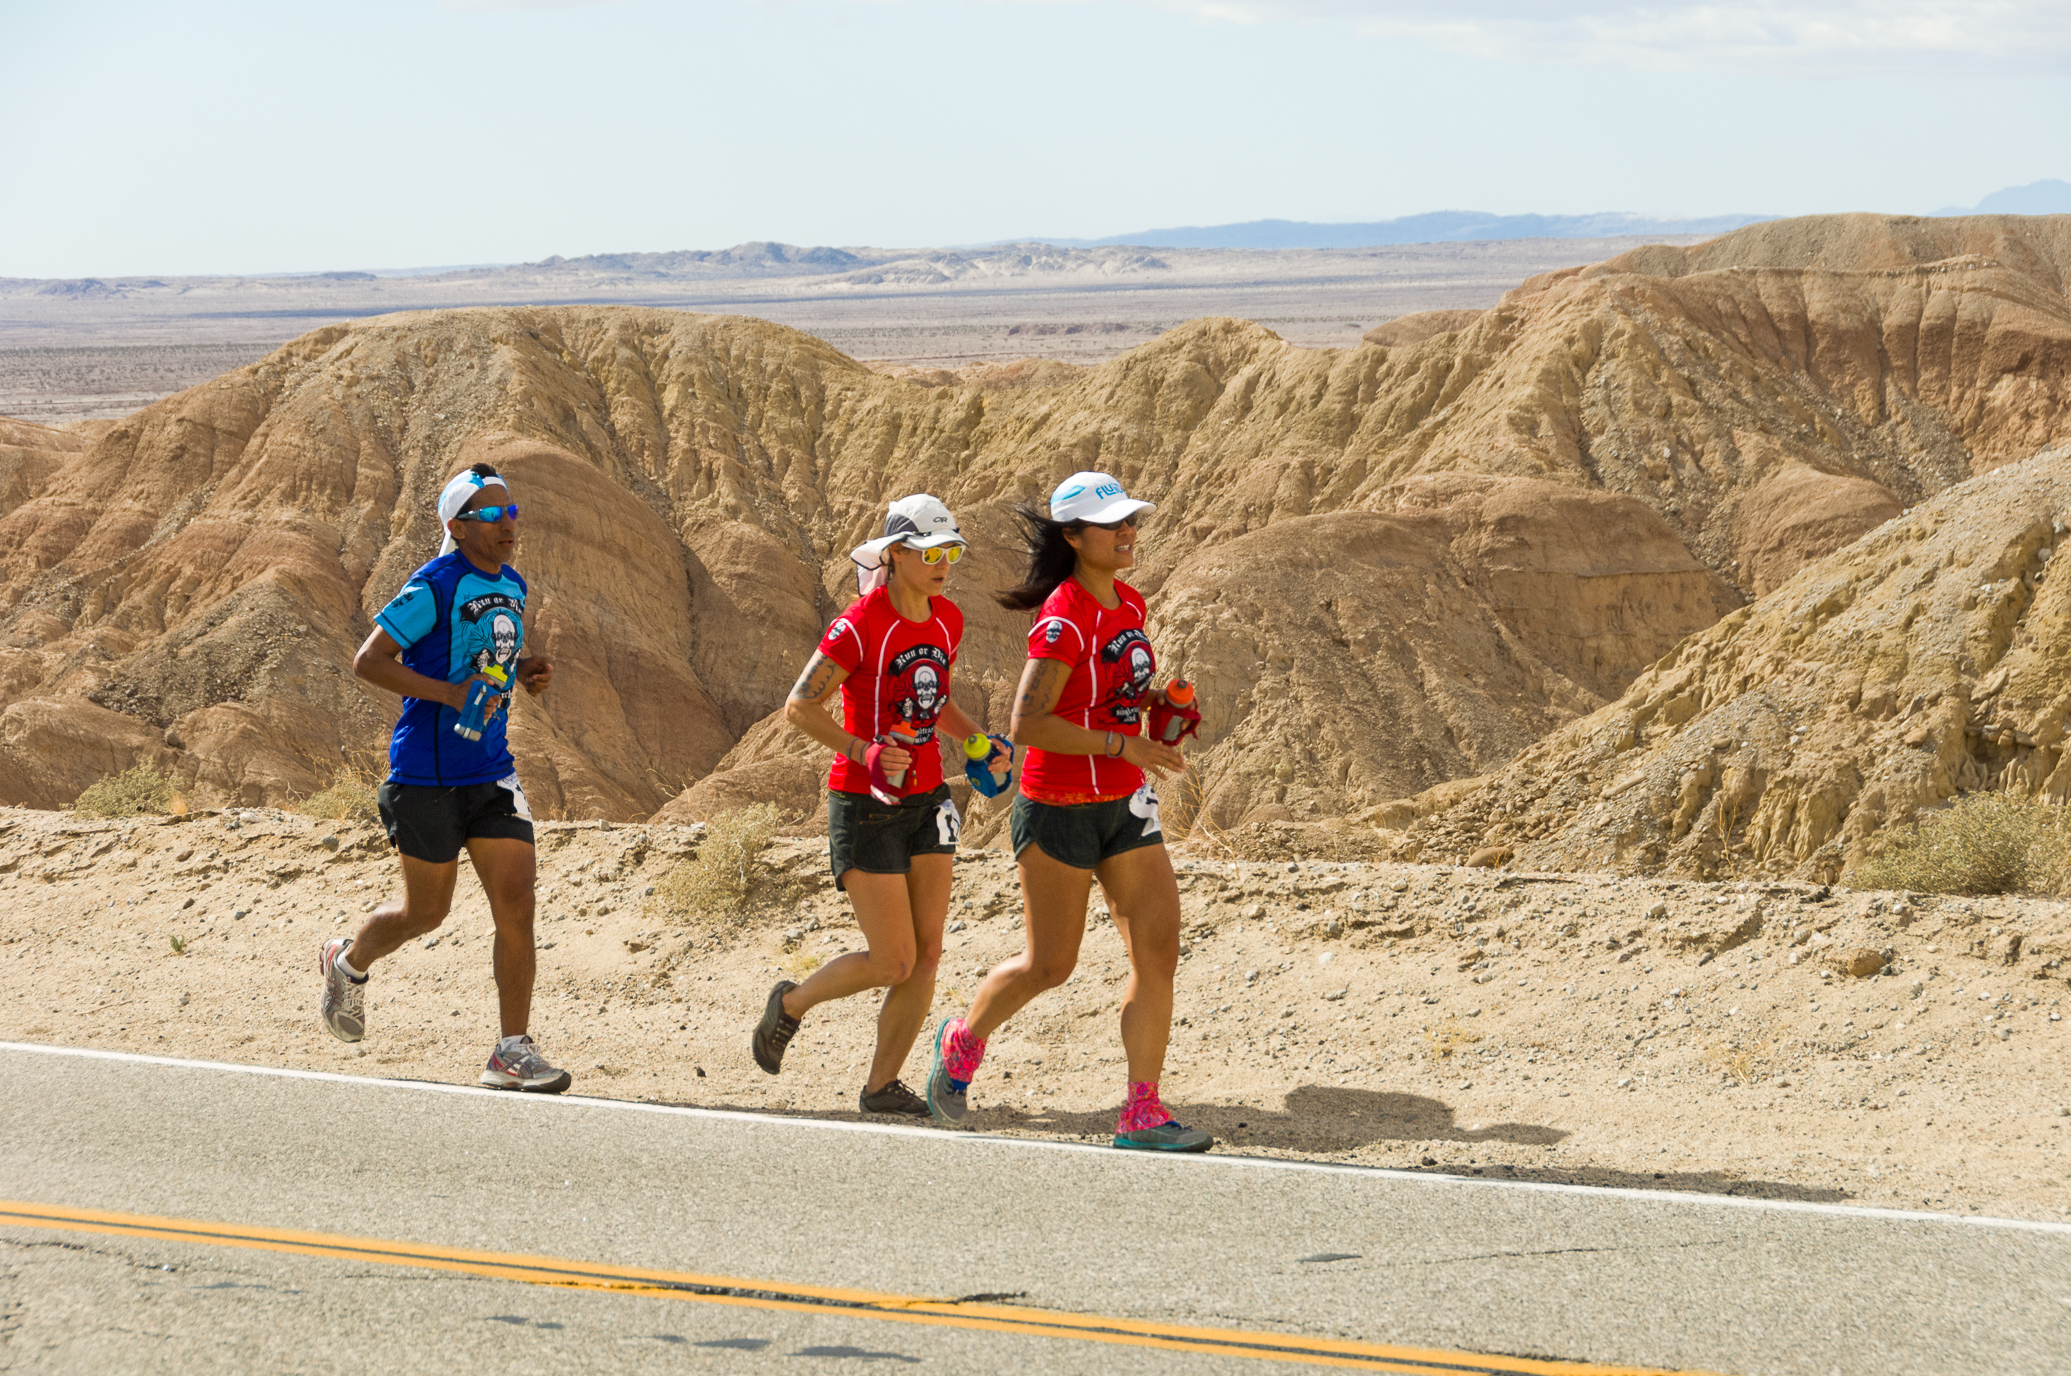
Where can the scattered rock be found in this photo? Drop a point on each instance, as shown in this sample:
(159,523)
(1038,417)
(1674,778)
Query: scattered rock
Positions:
(1858,961)
(329,842)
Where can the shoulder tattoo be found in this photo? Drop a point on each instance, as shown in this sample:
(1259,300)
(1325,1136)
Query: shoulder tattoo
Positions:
(1041,688)
(817,680)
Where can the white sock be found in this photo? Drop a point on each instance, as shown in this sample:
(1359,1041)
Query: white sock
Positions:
(342,963)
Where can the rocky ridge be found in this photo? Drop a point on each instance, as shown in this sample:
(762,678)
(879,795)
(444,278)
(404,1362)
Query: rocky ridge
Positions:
(1505,522)
(1924,660)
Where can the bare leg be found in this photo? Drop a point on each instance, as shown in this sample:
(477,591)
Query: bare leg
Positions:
(906,1003)
(507,869)
(1053,910)
(1145,898)
(427,897)
(884,913)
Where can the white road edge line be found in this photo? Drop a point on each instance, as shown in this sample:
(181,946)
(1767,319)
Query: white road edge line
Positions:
(1039,1144)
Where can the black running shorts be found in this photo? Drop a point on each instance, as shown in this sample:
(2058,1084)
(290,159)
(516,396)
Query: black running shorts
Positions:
(431,824)
(864,834)
(1084,834)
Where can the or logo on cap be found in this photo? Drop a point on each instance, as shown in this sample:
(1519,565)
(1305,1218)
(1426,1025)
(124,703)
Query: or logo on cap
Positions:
(1104,490)
(1071,492)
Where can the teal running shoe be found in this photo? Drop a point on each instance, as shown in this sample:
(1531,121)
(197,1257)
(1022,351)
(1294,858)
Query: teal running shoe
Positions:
(947,1104)
(1167,1136)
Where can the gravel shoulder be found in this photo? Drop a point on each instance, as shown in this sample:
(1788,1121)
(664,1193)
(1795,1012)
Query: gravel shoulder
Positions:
(1765,1039)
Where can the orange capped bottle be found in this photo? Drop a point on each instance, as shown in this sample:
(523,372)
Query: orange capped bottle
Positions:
(1178,693)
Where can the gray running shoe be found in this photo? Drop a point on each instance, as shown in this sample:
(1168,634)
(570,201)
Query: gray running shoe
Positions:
(1168,1136)
(775,1030)
(344,1005)
(894,1098)
(517,1064)
(947,1101)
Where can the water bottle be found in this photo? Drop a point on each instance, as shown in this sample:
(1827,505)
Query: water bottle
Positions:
(907,739)
(1178,693)
(987,778)
(474,717)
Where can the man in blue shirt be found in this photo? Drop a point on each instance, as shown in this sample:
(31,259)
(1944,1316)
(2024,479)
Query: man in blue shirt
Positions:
(458,617)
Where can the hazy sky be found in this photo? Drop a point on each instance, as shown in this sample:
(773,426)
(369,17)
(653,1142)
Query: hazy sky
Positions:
(248,137)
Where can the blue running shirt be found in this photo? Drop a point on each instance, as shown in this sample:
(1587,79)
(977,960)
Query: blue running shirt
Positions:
(453,621)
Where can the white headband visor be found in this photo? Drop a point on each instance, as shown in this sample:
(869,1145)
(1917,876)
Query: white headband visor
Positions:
(455,496)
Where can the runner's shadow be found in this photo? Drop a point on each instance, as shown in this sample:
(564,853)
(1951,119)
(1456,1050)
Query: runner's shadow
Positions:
(1327,1120)
(1317,1118)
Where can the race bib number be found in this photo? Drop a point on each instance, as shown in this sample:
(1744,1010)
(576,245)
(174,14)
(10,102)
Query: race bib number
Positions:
(510,781)
(1144,803)
(949,823)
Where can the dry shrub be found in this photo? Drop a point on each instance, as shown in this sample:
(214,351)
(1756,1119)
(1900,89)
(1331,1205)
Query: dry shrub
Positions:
(137,790)
(714,886)
(1189,819)
(1449,1037)
(1982,843)
(349,797)
(1743,1065)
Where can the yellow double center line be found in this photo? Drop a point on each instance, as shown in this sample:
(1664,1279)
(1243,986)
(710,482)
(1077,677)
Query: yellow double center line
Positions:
(814,1299)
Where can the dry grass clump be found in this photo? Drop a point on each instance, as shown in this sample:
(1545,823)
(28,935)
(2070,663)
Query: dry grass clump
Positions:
(138,790)
(1743,1065)
(714,886)
(349,797)
(1982,843)
(1449,1037)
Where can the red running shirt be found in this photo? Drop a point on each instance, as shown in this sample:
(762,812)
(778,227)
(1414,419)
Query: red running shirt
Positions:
(1112,664)
(898,676)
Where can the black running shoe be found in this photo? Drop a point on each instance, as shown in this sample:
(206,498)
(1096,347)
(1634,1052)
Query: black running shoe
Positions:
(894,1098)
(775,1030)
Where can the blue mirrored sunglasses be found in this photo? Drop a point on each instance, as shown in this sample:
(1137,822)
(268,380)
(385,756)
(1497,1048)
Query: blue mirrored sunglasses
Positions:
(490,514)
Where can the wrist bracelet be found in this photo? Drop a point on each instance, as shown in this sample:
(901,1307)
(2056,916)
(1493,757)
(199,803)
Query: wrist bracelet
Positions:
(1114,744)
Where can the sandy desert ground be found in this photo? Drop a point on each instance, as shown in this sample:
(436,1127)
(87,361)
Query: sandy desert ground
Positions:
(1768,1039)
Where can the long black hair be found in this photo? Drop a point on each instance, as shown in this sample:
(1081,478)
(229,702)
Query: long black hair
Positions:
(1051,559)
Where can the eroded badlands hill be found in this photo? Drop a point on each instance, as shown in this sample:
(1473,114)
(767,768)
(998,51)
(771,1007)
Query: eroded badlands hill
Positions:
(1390,566)
(1928,658)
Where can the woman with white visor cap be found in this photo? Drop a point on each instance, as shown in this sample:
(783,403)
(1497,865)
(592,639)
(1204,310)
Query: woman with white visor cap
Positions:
(1085,809)
(891,827)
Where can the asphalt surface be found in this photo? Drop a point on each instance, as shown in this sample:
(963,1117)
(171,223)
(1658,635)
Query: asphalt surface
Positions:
(1287,1253)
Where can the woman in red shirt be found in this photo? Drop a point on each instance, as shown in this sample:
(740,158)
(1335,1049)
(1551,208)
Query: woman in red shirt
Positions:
(1085,809)
(891,827)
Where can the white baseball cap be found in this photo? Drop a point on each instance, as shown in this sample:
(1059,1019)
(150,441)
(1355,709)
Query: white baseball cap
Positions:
(1095,498)
(918,521)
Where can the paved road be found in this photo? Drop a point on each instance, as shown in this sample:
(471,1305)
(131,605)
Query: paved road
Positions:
(765,1243)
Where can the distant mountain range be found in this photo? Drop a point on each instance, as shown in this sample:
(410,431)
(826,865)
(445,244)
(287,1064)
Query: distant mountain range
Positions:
(1437,227)
(2047,197)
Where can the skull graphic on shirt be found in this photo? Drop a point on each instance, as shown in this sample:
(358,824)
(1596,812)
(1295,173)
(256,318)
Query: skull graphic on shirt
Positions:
(491,631)
(927,691)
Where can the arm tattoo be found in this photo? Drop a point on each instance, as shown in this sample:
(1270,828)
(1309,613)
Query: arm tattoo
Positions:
(1041,687)
(820,678)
